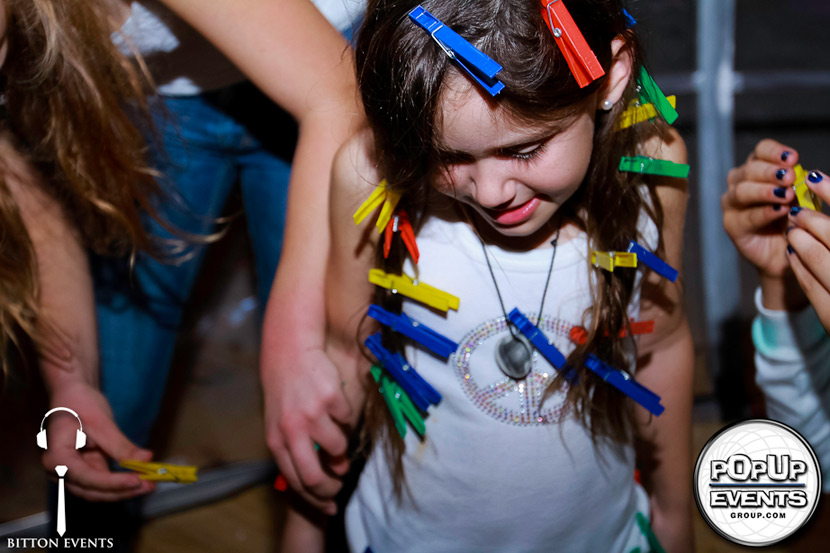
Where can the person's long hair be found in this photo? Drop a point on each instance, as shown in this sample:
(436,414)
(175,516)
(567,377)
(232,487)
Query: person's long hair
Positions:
(402,75)
(74,109)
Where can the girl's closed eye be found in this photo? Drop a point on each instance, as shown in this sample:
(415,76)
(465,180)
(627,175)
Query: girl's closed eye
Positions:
(527,153)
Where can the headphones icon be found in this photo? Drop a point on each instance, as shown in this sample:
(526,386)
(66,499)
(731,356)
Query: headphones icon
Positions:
(80,437)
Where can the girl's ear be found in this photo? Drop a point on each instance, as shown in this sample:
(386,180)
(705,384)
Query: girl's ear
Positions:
(618,76)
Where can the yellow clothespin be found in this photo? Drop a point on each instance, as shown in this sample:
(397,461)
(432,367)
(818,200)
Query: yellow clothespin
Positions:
(381,195)
(419,291)
(611,260)
(162,472)
(639,112)
(806,197)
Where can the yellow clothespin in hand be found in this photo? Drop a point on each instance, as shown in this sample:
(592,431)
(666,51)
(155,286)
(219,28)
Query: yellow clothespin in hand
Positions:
(419,291)
(805,196)
(381,195)
(611,260)
(639,112)
(162,472)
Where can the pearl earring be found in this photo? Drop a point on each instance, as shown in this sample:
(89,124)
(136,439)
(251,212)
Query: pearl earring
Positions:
(607,105)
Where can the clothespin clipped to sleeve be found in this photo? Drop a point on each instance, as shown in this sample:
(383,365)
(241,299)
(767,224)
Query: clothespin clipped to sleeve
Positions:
(611,260)
(806,198)
(625,384)
(422,394)
(579,335)
(400,223)
(650,166)
(581,59)
(421,333)
(650,92)
(639,112)
(653,262)
(162,472)
(381,195)
(417,290)
(473,61)
(399,403)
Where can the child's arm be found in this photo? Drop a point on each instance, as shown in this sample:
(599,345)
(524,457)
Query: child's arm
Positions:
(665,366)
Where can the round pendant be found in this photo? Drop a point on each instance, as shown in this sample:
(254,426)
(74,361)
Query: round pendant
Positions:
(514,356)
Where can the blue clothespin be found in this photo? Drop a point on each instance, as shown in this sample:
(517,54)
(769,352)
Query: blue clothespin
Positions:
(421,333)
(476,63)
(655,263)
(536,338)
(629,19)
(624,383)
(419,390)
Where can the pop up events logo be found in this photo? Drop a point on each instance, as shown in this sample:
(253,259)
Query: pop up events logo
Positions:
(757,482)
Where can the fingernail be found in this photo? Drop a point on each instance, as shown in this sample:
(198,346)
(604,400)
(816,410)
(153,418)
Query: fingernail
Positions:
(790,249)
(780,174)
(785,155)
(794,210)
(781,192)
(815,177)
(776,207)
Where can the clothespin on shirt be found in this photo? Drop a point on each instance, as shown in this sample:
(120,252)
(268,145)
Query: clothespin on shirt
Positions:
(399,404)
(415,289)
(627,385)
(650,166)
(611,260)
(400,223)
(581,59)
(653,262)
(422,394)
(162,472)
(421,333)
(473,61)
(639,112)
(650,92)
(381,195)
(805,196)
(579,335)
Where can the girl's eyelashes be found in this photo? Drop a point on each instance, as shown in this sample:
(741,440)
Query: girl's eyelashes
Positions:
(527,154)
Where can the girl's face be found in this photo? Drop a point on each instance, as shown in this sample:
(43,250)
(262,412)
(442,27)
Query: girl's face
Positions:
(515,177)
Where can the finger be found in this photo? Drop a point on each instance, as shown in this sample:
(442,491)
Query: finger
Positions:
(817,293)
(775,152)
(289,473)
(313,478)
(753,219)
(766,172)
(99,496)
(115,444)
(755,193)
(815,223)
(330,436)
(814,256)
(91,479)
(819,183)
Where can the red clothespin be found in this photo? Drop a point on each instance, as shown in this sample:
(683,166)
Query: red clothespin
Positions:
(400,223)
(581,59)
(280,484)
(579,335)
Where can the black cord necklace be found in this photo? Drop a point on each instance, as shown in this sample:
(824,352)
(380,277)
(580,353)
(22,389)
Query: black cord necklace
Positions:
(514,353)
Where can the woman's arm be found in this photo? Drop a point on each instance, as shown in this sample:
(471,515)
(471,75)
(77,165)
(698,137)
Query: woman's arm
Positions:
(68,353)
(666,367)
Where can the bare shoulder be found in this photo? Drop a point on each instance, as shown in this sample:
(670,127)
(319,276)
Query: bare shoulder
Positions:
(354,173)
(670,146)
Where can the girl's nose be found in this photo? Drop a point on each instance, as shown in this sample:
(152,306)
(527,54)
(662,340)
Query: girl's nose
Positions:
(491,190)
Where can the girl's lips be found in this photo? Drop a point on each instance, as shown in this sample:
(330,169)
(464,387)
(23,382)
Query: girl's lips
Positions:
(518,214)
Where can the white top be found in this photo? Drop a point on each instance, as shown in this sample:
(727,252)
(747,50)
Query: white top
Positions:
(792,368)
(182,62)
(498,472)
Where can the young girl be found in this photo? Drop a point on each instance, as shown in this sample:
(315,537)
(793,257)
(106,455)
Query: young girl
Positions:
(509,195)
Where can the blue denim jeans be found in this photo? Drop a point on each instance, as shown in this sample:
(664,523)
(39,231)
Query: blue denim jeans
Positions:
(207,144)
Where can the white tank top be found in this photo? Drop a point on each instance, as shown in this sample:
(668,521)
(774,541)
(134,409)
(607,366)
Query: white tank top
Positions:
(498,471)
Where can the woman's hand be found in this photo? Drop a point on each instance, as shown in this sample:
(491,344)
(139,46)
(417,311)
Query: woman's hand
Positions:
(809,248)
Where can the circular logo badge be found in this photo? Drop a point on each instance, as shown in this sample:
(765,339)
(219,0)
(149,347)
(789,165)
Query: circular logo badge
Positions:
(757,482)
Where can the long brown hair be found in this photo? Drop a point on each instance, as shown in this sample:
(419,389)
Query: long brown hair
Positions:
(74,109)
(402,74)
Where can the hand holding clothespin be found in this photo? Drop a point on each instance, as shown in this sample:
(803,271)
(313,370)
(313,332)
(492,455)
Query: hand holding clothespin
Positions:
(806,198)
(162,472)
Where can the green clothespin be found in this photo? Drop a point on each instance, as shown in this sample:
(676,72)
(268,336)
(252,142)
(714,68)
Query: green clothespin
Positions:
(410,411)
(399,403)
(650,92)
(651,166)
(645,528)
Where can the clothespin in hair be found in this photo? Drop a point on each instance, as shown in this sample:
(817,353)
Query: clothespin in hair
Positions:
(611,260)
(629,19)
(653,262)
(581,59)
(381,195)
(650,92)
(415,289)
(625,384)
(161,472)
(422,394)
(579,335)
(639,112)
(399,404)
(421,333)
(473,61)
(805,196)
(400,223)
(650,166)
